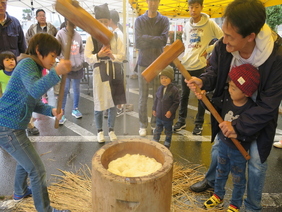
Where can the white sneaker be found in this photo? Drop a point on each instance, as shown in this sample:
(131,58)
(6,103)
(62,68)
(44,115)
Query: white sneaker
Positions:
(142,132)
(112,136)
(9,204)
(100,137)
(278,144)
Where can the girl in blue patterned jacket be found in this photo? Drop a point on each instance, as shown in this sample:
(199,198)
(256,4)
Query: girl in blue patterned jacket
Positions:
(21,98)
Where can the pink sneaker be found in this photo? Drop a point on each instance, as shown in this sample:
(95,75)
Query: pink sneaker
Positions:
(44,100)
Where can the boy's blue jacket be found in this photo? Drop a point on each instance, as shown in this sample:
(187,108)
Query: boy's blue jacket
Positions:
(23,93)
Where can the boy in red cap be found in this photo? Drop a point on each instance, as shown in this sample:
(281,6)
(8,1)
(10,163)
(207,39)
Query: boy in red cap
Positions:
(243,82)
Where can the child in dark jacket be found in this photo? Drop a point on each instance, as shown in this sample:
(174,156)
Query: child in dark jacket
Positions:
(165,105)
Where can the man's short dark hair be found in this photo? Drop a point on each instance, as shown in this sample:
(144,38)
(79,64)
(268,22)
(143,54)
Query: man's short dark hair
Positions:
(248,16)
(39,10)
(195,1)
(45,43)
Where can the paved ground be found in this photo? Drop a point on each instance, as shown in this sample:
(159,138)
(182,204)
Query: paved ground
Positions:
(74,143)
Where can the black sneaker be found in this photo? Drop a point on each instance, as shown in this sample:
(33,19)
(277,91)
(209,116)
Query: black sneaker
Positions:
(201,186)
(179,126)
(198,130)
(33,131)
(119,112)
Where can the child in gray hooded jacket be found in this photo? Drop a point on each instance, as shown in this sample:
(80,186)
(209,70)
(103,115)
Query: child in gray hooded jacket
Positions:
(76,74)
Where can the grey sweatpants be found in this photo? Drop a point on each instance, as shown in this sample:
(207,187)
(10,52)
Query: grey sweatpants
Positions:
(143,98)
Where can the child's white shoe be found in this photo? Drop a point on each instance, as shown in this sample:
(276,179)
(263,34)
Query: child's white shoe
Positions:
(112,136)
(100,137)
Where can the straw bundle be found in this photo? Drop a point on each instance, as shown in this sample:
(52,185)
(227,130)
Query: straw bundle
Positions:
(73,191)
(183,199)
(69,191)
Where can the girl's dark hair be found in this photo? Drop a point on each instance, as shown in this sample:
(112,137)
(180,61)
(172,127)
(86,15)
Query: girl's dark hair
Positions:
(45,44)
(247,16)
(4,55)
(195,1)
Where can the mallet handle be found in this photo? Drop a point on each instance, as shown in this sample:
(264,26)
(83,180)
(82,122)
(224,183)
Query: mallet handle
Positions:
(211,108)
(172,51)
(64,76)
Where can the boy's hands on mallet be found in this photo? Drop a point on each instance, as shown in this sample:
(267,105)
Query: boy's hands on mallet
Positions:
(58,116)
(227,129)
(63,67)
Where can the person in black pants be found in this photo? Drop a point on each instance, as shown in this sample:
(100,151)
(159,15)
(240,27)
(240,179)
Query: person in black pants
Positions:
(197,34)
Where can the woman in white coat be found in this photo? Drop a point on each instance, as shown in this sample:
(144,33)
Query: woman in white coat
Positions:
(108,81)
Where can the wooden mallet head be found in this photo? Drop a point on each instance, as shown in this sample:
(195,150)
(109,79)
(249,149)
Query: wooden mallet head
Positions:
(81,18)
(171,52)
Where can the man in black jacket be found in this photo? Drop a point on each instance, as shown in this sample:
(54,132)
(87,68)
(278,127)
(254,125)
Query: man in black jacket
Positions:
(11,33)
(247,39)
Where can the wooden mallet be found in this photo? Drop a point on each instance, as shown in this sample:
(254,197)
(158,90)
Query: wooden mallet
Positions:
(211,108)
(170,55)
(171,52)
(77,16)
(81,18)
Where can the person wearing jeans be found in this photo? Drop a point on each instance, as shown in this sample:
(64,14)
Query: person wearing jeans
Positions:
(75,84)
(108,74)
(76,74)
(243,82)
(29,164)
(165,105)
(22,97)
(254,186)
(98,117)
(245,34)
